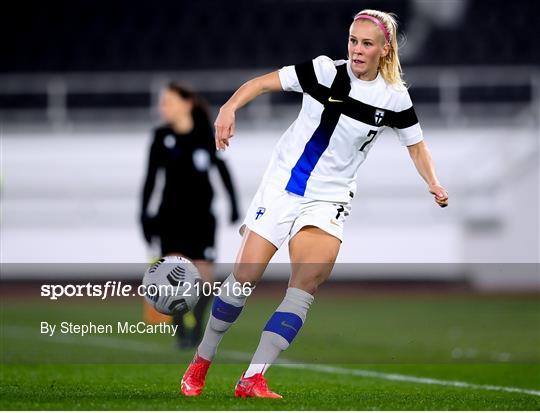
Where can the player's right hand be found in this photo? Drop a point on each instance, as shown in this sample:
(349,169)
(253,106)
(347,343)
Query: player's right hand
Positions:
(225,127)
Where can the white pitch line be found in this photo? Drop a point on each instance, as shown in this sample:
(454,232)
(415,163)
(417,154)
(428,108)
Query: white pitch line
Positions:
(407,378)
(289,364)
(133,345)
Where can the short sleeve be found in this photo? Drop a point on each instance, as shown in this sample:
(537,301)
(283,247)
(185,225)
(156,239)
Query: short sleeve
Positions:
(289,80)
(406,124)
(304,76)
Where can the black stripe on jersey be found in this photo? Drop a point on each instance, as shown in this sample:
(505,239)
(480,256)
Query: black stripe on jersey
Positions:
(366,113)
(349,107)
(306,76)
(403,119)
(341,86)
(309,83)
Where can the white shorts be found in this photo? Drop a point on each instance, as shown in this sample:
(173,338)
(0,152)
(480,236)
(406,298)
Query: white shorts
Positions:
(276,214)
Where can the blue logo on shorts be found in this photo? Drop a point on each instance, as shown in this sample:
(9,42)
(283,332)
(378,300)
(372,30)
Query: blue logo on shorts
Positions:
(260,212)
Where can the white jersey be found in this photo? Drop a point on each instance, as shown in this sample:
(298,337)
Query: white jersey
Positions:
(340,120)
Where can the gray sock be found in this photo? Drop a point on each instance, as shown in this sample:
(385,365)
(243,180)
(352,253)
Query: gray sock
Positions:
(225,310)
(280,330)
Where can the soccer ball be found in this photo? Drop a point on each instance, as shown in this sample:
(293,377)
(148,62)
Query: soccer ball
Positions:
(172,285)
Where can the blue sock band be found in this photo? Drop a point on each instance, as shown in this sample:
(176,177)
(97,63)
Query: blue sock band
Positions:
(225,312)
(287,325)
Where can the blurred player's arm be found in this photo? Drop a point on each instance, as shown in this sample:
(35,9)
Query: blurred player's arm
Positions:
(222,169)
(421,157)
(147,223)
(225,121)
(229,186)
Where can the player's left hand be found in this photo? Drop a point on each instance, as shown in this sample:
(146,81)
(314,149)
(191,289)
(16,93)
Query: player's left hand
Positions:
(441,196)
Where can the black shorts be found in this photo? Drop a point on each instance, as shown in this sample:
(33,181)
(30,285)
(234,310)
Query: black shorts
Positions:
(192,236)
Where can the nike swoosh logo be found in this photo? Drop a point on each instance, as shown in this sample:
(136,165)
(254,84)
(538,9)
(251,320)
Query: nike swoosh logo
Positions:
(284,324)
(331,99)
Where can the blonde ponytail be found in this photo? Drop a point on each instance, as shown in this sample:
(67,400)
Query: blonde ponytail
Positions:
(389,66)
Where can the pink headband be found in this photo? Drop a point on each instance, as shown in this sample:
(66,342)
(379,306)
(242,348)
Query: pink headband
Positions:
(377,22)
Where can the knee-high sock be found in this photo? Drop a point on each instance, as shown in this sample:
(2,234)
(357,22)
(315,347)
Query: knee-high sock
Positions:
(225,310)
(280,330)
(199,312)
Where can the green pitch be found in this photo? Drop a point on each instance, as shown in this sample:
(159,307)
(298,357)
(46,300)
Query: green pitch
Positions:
(383,353)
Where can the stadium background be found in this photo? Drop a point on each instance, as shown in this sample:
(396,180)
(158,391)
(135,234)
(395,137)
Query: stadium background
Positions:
(79,83)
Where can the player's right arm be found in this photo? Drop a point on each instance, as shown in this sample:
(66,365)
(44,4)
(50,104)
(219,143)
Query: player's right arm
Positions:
(225,121)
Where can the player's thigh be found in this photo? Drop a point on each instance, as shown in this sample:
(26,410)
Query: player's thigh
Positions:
(313,253)
(253,257)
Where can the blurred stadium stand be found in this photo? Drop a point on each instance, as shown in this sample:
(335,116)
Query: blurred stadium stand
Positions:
(121,35)
(66,60)
(79,83)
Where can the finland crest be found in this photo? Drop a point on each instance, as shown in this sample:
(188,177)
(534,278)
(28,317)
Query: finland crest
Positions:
(260,212)
(169,141)
(379,115)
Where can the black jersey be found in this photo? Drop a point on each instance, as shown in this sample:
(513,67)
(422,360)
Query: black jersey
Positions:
(186,159)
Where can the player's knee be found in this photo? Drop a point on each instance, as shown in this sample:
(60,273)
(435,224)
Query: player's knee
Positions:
(309,277)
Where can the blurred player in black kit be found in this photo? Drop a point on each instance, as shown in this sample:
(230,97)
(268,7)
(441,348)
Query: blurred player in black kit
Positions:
(184,147)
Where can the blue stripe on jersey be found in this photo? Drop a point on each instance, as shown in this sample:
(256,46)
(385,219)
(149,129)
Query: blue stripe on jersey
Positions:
(287,325)
(225,312)
(313,151)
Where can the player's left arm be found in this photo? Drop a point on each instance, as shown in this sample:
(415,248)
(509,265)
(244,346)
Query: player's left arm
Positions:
(421,157)
(225,121)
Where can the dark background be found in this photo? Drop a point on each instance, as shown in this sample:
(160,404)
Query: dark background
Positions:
(125,35)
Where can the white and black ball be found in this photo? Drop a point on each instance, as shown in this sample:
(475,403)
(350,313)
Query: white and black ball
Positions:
(171,285)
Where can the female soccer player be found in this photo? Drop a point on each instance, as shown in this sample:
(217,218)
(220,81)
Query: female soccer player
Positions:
(184,147)
(306,191)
